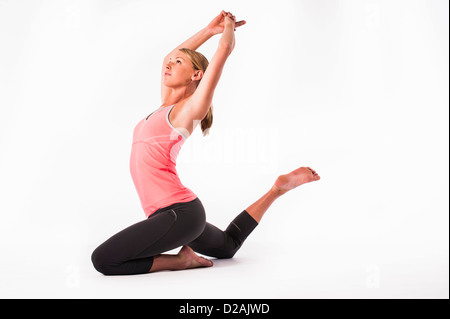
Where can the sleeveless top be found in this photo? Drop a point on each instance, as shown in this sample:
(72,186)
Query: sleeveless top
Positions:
(155,148)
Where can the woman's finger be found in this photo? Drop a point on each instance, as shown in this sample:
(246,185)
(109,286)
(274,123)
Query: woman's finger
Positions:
(239,23)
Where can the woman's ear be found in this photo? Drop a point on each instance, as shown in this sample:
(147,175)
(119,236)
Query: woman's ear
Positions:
(198,75)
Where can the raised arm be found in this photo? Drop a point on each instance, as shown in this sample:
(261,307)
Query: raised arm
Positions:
(201,100)
(192,43)
(195,41)
(216,26)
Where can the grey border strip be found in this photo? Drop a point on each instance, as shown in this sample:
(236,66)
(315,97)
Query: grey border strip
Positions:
(156,111)
(168,122)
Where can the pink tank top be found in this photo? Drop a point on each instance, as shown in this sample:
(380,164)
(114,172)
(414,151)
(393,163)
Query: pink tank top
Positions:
(155,148)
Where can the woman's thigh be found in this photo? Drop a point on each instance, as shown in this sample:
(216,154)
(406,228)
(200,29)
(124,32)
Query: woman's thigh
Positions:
(187,223)
(166,229)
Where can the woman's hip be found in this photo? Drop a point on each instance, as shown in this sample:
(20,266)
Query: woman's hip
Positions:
(188,216)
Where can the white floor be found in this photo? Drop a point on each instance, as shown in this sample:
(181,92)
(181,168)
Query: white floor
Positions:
(260,270)
(325,240)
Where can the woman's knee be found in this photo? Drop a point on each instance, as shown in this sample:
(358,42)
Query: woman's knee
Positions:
(227,254)
(101,262)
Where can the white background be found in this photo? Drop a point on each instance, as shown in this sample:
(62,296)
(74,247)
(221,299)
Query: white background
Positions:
(357,90)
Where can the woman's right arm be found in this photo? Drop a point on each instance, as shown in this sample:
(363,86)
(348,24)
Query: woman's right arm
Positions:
(216,26)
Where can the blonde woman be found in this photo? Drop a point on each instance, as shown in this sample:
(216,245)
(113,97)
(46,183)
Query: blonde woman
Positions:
(175,215)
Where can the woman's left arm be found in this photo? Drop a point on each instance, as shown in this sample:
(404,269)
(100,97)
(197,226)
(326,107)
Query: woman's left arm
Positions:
(200,101)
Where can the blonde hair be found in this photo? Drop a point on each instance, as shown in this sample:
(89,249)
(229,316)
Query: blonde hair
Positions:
(200,63)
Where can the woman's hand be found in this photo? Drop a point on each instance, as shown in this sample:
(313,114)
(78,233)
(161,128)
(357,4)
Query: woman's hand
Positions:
(230,21)
(217,25)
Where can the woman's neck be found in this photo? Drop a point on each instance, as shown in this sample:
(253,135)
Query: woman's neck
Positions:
(177,97)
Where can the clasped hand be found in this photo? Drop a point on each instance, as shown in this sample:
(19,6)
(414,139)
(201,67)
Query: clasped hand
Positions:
(217,25)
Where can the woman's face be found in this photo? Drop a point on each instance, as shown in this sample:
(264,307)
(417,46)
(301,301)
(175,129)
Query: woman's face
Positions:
(179,71)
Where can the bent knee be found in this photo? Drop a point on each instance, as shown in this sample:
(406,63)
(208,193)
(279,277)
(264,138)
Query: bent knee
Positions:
(101,262)
(228,254)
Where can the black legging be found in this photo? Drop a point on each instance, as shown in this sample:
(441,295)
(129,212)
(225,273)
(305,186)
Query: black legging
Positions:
(131,251)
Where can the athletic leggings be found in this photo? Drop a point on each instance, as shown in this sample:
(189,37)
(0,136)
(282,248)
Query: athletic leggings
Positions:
(131,251)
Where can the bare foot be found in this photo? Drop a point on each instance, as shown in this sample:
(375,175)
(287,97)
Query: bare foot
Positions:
(189,259)
(302,175)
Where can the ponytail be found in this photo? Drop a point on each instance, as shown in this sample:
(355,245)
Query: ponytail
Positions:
(207,121)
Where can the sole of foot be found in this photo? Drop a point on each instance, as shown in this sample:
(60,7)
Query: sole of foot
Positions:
(300,176)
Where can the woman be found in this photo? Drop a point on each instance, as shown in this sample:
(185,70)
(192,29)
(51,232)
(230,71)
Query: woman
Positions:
(175,215)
